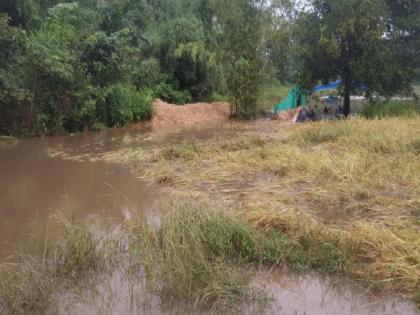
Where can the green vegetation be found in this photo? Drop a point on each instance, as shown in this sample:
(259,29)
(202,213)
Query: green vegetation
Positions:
(72,66)
(391,109)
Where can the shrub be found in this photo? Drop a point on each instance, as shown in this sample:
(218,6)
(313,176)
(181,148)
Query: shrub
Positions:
(118,102)
(142,105)
(169,93)
(125,104)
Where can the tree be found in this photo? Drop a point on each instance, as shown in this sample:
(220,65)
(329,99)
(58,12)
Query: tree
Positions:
(278,45)
(241,23)
(356,41)
(13,90)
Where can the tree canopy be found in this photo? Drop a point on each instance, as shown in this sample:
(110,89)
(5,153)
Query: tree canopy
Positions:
(365,43)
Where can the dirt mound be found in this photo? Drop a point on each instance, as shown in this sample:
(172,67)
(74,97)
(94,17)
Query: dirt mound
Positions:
(189,115)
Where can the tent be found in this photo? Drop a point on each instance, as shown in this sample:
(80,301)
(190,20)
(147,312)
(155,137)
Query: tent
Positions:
(294,98)
(298,96)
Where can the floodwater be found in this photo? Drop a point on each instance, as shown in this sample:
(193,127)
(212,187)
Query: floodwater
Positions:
(288,294)
(313,295)
(33,186)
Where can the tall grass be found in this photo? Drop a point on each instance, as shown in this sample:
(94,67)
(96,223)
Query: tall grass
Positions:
(382,109)
(197,256)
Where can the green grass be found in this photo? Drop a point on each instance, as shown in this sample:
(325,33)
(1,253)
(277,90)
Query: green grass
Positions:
(198,254)
(391,109)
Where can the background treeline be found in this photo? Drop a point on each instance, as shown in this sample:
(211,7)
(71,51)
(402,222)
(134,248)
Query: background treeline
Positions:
(68,66)
(76,65)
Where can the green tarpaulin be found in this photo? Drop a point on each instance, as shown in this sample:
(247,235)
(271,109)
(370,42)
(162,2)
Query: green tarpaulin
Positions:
(295,98)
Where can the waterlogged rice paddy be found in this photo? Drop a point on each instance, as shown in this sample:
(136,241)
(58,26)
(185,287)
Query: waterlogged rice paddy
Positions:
(329,200)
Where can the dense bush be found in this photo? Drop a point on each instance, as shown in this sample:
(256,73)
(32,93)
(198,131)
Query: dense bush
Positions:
(169,93)
(125,104)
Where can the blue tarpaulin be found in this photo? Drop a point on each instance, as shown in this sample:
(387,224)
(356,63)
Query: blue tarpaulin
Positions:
(329,86)
(336,84)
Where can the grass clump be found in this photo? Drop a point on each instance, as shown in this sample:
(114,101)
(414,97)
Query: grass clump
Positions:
(243,143)
(25,287)
(187,150)
(165,174)
(81,253)
(197,256)
(84,250)
(325,132)
(7,140)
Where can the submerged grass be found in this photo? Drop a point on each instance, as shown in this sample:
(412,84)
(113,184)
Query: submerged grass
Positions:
(201,256)
(197,256)
(83,251)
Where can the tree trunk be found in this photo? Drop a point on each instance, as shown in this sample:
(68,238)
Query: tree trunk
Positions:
(346,109)
(31,110)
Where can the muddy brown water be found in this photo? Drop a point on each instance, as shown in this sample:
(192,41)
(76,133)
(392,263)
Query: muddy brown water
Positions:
(289,295)
(33,186)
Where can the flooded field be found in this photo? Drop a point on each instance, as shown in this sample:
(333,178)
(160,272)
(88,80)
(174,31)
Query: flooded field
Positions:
(117,175)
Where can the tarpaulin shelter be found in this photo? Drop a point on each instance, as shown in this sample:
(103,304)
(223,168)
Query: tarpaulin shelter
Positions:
(296,97)
(336,84)
(326,87)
